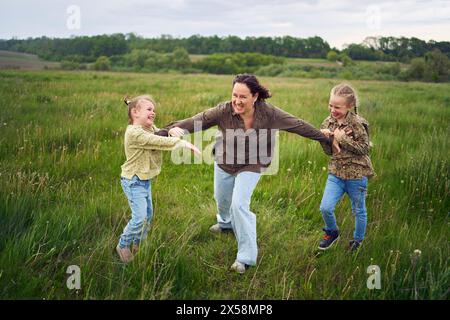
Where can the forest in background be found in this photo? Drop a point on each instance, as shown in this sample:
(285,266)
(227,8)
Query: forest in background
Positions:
(397,58)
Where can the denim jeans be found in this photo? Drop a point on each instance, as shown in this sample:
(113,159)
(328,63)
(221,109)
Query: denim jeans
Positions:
(356,190)
(233,194)
(139,197)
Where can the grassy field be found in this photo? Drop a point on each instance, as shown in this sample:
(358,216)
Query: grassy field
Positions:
(61,202)
(24,61)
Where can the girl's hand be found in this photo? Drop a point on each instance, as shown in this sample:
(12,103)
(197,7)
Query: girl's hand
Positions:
(193,148)
(348,131)
(326,132)
(338,134)
(176,132)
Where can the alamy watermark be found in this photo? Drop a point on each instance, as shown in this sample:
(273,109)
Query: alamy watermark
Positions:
(73,21)
(373,17)
(74,280)
(374,280)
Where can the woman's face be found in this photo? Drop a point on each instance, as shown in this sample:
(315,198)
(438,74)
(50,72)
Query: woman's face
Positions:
(242,99)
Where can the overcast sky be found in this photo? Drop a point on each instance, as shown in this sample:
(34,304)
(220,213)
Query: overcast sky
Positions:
(338,22)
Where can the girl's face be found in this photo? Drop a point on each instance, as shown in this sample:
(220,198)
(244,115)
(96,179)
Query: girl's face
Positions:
(338,107)
(144,114)
(242,99)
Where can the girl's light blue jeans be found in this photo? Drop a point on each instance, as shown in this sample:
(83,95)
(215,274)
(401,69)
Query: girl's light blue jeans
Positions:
(233,194)
(139,197)
(356,190)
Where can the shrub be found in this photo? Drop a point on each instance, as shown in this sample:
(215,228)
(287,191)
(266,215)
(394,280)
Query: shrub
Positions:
(345,59)
(102,63)
(69,65)
(416,69)
(332,56)
(437,66)
(220,63)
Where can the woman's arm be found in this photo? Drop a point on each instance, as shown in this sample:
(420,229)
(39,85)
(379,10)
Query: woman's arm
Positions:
(327,146)
(200,121)
(287,122)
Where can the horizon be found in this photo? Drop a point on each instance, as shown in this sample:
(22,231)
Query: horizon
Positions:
(221,37)
(339,24)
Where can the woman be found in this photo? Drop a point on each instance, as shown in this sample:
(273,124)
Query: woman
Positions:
(243,151)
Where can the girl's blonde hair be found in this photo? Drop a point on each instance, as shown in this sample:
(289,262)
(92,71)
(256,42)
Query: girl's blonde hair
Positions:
(348,92)
(135,103)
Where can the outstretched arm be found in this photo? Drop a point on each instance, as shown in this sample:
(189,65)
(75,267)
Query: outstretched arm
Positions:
(327,146)
(146,140)
(200,121)
(287,122)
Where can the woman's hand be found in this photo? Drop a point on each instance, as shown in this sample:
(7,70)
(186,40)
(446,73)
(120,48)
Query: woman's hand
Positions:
(335,146)
(326,132)
(176,132)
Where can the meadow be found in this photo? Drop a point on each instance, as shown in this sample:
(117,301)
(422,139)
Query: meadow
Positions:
(61,203)
(24,61)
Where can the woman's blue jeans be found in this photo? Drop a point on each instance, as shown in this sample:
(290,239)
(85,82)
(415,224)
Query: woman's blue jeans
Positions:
(233,194)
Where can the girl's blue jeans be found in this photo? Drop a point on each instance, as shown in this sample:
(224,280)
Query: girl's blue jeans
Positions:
(356,190)
(139,197)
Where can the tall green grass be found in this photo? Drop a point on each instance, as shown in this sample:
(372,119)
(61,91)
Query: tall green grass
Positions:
(61,202)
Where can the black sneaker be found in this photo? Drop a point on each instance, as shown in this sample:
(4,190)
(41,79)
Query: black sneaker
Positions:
(328,239)
(354,245)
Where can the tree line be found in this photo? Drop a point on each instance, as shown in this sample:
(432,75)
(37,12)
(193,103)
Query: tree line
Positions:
(143,60)
(427,61)
(88,49)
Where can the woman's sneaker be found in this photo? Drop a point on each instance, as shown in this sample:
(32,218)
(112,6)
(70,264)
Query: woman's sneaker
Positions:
(216,228)
(354,245)
(239,267)
(328,239)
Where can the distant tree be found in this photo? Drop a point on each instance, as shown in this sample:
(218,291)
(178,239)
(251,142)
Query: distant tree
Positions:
(416,69)
(180,58)
(231,63)
(345,59)
(69,65)
(395,69)
(137,58)
(360,52)
(332,56)
(102,63)
(437,66)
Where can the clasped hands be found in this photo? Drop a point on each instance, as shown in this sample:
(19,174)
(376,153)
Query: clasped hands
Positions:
(338,135)
(178,132)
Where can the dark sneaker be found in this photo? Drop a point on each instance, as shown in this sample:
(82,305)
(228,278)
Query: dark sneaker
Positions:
(328,239)
(354,245)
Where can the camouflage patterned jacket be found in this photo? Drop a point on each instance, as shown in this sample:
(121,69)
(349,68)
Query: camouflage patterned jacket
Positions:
(353,161)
